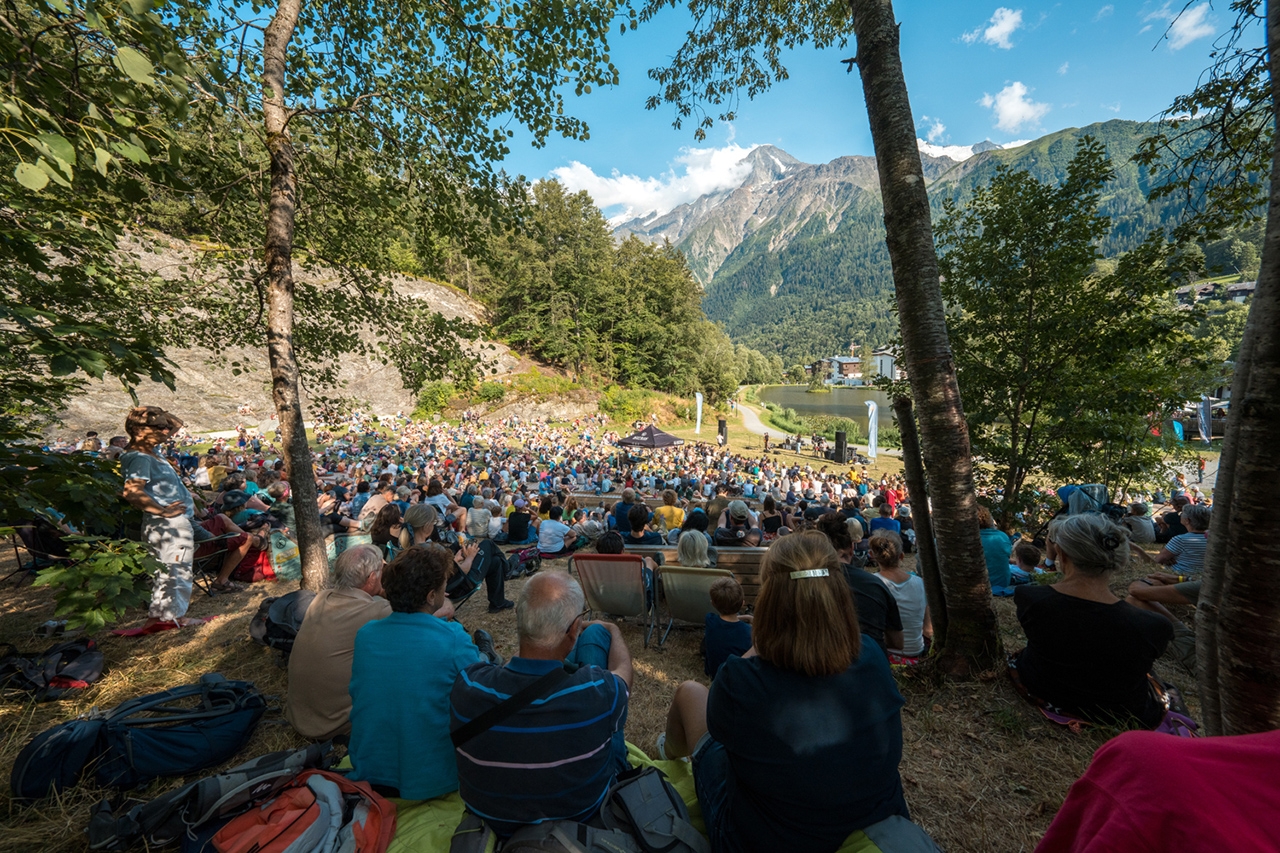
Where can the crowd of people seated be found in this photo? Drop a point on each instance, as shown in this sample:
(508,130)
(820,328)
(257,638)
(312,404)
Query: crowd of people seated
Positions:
(835,610)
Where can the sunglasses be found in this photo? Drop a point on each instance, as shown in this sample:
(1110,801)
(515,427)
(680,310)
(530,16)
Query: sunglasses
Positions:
(581,615)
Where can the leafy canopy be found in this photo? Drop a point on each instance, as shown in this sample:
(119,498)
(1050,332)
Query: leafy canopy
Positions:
(1063,370)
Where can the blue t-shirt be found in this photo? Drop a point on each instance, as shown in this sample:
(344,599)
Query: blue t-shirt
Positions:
(161,483)
(996,547)
(810,759)
(403,670)
(722,640)
(882,523)
(621,523)
(553,760)
(650,537)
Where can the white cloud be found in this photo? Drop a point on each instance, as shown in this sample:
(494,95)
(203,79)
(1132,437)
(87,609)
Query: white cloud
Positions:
(1115,108)
(1062,69)
(936,130)
(1013,109)
(696,172)
(998,30)
(1185,26)
(1104,12)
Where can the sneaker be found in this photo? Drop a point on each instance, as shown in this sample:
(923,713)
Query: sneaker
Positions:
(484,642)
(498,608)
(662,747)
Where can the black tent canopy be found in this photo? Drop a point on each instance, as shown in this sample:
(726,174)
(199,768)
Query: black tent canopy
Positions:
(650,437)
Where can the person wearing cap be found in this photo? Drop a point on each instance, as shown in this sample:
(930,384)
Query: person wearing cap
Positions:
(740,529)
(768,765)
(168,512)
(520,527)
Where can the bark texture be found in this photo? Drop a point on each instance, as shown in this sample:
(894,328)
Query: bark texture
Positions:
(972,639)
(281,217)
(926,546)
(1238,623)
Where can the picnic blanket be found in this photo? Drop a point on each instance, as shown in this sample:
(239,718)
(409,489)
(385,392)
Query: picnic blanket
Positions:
(427,826)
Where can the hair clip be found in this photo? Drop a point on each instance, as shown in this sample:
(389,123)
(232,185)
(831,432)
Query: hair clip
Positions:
(810,573)
(1110,542)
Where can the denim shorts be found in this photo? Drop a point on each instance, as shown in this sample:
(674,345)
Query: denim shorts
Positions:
(711,783)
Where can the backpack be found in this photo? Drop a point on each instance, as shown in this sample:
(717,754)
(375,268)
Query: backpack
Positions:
(278,620)
(70,665)
(730,536)
(525,561)
(318,811)
(163,734)
(206,803)
(642,813)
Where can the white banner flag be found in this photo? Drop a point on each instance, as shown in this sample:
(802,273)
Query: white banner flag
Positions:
(873,427)
(697,430)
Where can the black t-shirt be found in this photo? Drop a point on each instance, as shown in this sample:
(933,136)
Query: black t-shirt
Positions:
(1089,658)
(810,759)
(518,526)
(1173,527)
(877,608)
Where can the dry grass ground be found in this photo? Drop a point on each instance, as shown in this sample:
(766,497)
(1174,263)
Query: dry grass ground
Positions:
(982,770)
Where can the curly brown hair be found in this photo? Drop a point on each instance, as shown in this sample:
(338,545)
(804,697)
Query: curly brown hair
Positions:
(414,574)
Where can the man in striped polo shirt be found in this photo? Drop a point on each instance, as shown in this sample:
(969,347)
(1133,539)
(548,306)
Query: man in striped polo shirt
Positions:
(556,758)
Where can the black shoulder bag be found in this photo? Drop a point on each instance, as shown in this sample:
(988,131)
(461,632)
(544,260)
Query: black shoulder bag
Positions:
(513,704)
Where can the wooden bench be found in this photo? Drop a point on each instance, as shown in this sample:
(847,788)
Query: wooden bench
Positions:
(743,562)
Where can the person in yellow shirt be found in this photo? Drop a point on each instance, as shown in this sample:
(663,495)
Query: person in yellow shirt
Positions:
(671,515)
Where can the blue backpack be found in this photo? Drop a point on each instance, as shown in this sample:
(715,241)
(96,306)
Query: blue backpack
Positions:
(171,733)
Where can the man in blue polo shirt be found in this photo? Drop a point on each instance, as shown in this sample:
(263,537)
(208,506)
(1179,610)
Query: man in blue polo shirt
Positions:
(568,747)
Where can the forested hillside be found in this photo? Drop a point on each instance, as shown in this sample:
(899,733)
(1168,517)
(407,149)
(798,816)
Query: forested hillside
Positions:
(828,287)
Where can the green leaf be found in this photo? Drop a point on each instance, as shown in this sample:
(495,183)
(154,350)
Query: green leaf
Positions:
(62,365)
(131,151)
(140,7)
(137,66)
(30,176)
(101,159)
(58,146)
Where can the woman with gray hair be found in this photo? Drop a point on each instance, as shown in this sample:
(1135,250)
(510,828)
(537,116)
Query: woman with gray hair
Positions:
(1088,653)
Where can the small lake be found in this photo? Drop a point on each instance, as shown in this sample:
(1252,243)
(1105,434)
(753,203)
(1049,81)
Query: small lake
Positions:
(840,402)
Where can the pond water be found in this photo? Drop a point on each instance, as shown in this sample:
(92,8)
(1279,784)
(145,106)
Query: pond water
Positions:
(841,402)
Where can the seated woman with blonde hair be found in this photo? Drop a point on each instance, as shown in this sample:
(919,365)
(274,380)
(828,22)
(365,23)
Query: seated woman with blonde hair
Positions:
(797,743)
(908,590)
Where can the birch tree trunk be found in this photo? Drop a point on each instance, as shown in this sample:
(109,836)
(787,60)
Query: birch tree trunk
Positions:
(926,545)
(281,216)
(1238,619)
(972,639)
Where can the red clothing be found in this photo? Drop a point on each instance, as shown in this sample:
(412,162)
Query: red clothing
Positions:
(1152,793)
(217,525)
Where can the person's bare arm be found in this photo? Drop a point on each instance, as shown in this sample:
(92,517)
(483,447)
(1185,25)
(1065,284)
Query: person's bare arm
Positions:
(619,654)
(136,495)
(893,639)
(1166,557)
(927,628)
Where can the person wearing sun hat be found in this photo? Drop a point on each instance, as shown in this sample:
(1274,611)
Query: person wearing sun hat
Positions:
(153,486)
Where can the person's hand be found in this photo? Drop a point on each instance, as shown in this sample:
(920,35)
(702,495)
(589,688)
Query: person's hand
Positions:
(173,510)
(1162,578)
(466,555)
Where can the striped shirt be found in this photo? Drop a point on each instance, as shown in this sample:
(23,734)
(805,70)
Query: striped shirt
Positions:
(1189,548)
(553,760)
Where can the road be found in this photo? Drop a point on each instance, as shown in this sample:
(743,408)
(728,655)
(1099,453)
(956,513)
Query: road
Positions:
(752,422)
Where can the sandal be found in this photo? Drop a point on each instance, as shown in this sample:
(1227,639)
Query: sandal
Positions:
(228,586)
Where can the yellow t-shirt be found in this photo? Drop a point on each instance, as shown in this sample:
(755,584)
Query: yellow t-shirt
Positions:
(672,515)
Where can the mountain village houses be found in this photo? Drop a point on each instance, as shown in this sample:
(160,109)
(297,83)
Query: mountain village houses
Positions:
(851,370)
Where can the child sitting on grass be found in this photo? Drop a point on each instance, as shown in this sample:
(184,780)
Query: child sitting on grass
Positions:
(727,633)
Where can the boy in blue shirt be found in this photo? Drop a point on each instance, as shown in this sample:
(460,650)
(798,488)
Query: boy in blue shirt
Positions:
(727,633)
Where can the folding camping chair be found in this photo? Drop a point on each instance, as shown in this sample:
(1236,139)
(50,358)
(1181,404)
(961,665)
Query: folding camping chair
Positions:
(205,568)
(43,543)
(688,593)
(614,583)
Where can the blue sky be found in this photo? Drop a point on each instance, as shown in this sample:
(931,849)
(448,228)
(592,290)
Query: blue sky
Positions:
(975,70)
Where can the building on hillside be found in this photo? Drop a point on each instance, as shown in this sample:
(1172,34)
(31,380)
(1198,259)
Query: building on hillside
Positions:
(1242,291)
(884,362)
(837,370)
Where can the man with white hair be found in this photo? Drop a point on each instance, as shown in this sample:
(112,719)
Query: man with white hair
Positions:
(318,704)
(568,744)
